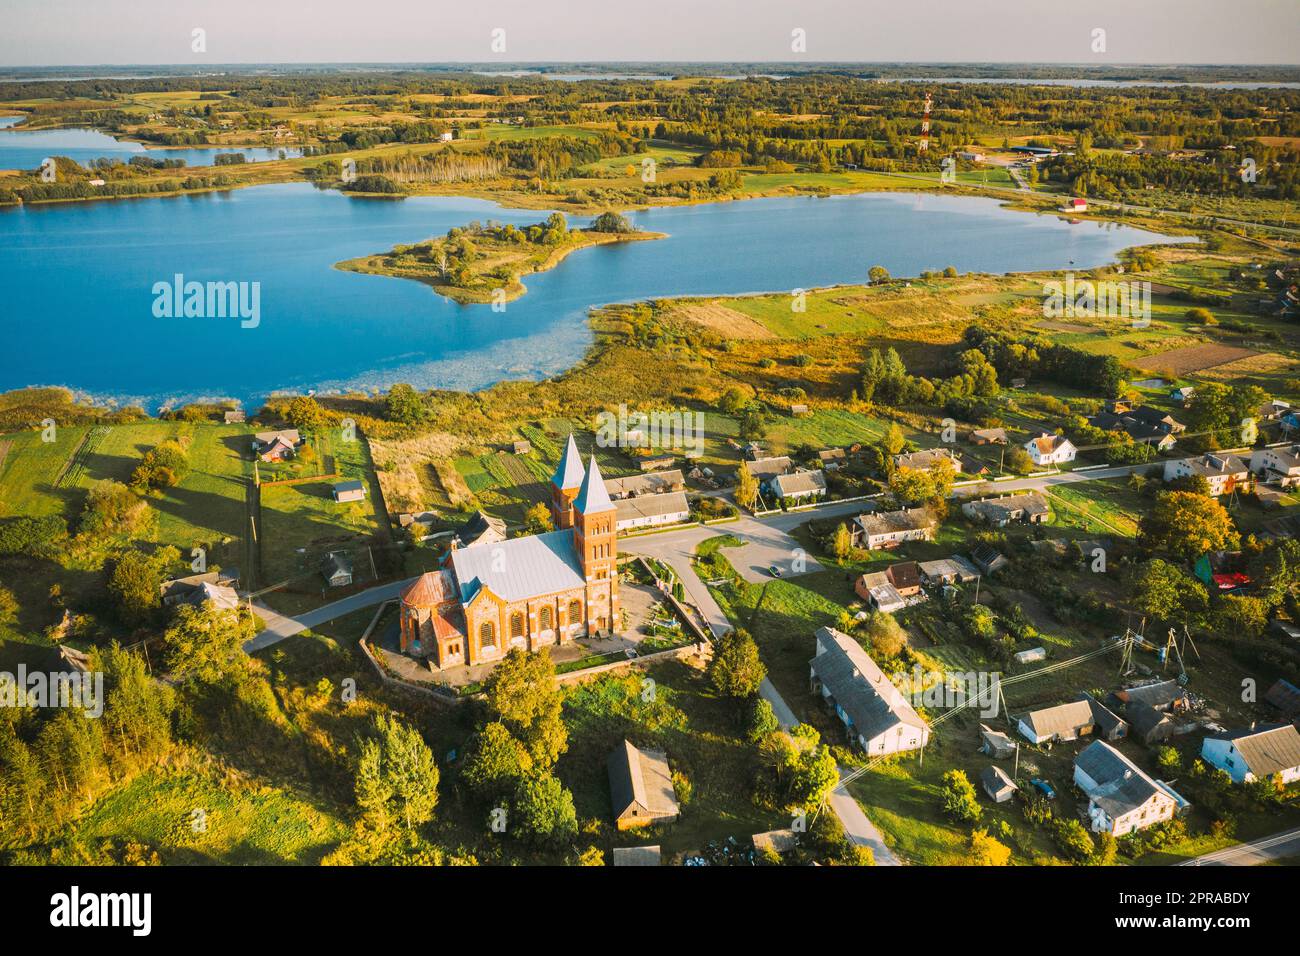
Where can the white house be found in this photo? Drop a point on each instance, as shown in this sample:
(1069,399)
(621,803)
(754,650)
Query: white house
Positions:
(648,511)
(1048,449)
(1258,754)
(875,713)
(888,529)
(1279,466)
(802,485)
(1223,472)
(1121,798)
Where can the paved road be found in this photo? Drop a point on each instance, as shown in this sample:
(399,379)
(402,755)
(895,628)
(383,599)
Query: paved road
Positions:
(763,535)
(278,626)
(1277,846)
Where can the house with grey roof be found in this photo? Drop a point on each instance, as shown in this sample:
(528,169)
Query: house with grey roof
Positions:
(1121,797)
(1000,512)
(480,528)
(799,486)
(995,743)
(343,491)
(1223,473)
(649,511)
(650,483)
(888,529)
(765,469)
(922,460)
(337,569)
(1277,466)
(1260,753)
(1064,722)
(953,570)
(997,784)
(876,714)
(640,787)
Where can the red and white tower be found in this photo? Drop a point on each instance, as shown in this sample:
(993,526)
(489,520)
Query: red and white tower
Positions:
(925,126)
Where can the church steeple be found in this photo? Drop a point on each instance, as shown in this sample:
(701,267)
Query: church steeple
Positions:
(565,484)
(594,535)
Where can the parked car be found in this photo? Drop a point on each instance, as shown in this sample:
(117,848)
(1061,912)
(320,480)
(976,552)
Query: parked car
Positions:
(773,570)
(1038,783)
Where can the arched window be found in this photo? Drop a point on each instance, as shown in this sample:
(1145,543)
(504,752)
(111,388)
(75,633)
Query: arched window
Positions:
(517,624)
(544,617)
(575,611)
(487,634)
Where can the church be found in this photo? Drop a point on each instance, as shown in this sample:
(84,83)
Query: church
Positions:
(530,592)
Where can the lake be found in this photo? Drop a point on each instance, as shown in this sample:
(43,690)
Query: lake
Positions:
(28,149)
(78,280)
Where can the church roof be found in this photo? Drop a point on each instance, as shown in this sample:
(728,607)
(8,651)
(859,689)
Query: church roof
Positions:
(520,568)
(568,473)
(593,497)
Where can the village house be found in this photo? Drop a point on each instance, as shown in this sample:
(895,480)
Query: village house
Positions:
(1166,696)
(636,855)
(1183,394)
(799,486)
(765,469)
(655,461)
(1000,512)
(921,460)
(1224,473)
(1263,753)
(1145,425)
(988,559)
(832,459)
(521,447)
(1048,449)
(989,436)
(888,529)
(651,483)
(996,744)
(640,787)
(953,570)
(875,713)
(905,577)
(997,784)
(528,592)
(1284,696)
(1149,725)
(344,491)
(479,528)
(1121,797)
(876,590)
(183,590)
(233,416)
(337,569)
(649,511)
(1076,205)
(1065,722)
(278,445)
(1277,466)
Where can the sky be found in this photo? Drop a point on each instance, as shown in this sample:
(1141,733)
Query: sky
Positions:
(74,32)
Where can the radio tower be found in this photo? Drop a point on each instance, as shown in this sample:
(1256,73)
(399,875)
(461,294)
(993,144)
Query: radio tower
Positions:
(925,126)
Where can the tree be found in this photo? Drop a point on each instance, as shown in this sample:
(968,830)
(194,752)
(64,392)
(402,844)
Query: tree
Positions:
(841,542)
(521,693)
(959,800)
(736,670)
(537,520)
(894,440)
(803,766)
(1165,592)
(1018,461)
(306,414)
(1075,841)
(886,635)
(611,222)
(135,581)
(762,720)
(544,810)
(496,762)
(878,275)
(1186,525)
(985,850)
(746,489)
(205,643)
(404,404)
(138,709)
(396,775)
(112,508)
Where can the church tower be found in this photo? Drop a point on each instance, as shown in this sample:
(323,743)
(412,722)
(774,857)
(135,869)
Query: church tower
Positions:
(565,485)
(596,542)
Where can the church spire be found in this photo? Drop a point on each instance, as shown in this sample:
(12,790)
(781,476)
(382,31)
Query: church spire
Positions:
(568,473)
(593,497)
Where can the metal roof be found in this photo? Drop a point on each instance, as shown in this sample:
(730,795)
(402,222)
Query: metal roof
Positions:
(520,568)
(859,686)
(568,473)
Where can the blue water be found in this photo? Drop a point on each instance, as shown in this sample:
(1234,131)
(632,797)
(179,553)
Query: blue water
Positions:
(27,150)
(78,301)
